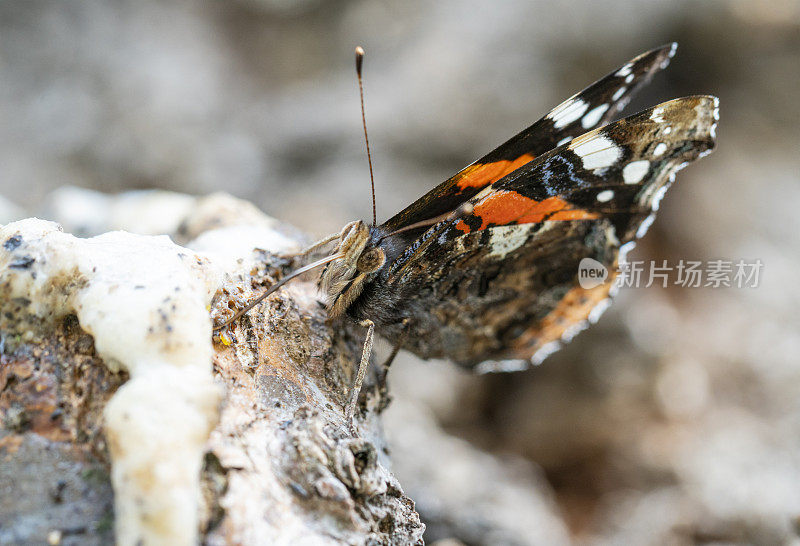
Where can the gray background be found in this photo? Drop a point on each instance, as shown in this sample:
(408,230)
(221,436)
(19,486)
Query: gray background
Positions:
(673,420)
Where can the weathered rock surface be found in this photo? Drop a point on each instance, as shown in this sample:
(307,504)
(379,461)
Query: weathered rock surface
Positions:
(110,378)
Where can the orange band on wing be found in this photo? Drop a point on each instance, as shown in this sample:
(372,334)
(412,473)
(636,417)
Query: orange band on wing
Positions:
(462,226)
(574,308)
(481,175)
(505,207)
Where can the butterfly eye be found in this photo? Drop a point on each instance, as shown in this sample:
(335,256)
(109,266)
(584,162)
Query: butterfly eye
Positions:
(371,260)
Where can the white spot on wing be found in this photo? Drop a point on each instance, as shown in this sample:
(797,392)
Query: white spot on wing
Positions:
(605,196)
(611,235)
(657,114)
(670,54)
(659,195)
(564,141)
(598,310)
(597,152)
(573,330)
(546,350)
(506,239)
(635,171)
(673,48)
(659,150)
(618,93)
(625,70)
(567,112)
(646,223)
(629,78)
(667,130)
(510,365)
(624,249)
(593,116)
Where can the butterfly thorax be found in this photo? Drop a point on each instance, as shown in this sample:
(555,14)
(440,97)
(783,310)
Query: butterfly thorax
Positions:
(344,279)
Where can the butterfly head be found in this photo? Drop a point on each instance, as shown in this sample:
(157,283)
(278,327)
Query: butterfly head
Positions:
(343,279)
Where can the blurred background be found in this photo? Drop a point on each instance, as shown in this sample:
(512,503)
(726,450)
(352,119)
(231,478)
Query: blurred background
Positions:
(675,420)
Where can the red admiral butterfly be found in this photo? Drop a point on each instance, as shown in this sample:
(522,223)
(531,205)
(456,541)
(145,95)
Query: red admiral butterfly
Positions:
(483,269)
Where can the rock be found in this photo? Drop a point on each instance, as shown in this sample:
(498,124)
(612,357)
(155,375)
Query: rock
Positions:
(109,355)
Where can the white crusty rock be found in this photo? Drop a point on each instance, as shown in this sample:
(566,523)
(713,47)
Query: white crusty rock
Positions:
(145,301)
(274,462)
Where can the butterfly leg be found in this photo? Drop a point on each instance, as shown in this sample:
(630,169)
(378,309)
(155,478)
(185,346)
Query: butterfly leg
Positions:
(350,410)
(384,369)
(393,354)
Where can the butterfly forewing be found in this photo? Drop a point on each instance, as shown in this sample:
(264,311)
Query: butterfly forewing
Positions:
(620,169)
(594,106)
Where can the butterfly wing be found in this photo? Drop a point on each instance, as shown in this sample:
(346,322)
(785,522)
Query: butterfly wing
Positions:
(501,282)
(594,106)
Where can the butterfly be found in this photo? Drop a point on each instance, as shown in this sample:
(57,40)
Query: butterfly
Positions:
(483,269)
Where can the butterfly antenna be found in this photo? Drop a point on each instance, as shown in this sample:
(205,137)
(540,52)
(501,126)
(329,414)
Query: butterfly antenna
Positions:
(277,285)
(359,62)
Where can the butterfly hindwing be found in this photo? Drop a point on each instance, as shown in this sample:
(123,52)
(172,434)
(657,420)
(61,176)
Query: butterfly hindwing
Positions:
(500,282)
(594,106)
